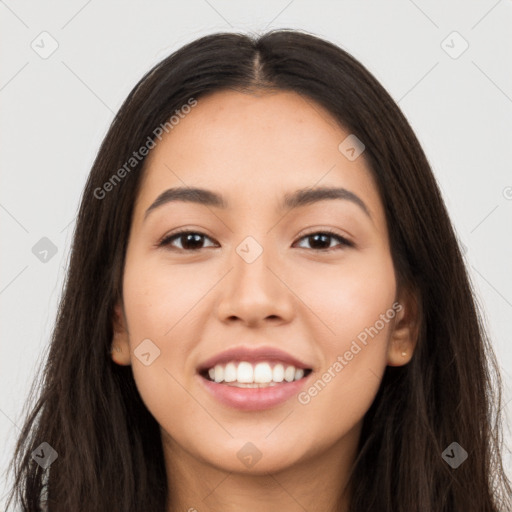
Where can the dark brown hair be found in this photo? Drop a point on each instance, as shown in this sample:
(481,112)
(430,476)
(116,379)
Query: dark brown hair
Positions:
(89,410)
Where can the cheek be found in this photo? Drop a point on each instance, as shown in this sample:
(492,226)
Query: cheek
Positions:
(355,301)
(348,296)
(156,305)
(159,297)
(162,304)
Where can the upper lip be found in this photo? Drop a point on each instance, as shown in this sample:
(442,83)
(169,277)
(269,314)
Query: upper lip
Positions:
(252,354)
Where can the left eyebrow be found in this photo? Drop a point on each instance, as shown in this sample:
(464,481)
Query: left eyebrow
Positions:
(297,199)
(305,196)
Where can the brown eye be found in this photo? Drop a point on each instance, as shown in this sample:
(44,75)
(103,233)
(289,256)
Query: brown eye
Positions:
(189,241)
(321,240)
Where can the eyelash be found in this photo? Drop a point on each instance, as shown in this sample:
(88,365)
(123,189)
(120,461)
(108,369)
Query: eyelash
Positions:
(166,241)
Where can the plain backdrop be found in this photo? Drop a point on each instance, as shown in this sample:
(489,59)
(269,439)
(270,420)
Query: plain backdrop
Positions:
(66,67)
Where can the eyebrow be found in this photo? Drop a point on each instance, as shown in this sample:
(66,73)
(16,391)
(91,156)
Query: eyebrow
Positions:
(301,197)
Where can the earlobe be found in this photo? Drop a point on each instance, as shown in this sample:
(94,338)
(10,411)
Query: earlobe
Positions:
(404,335)
(120,349)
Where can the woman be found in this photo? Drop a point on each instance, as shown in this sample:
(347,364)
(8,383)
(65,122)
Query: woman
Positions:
(266,306)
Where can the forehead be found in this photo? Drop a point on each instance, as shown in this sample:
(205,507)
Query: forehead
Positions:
(255,147)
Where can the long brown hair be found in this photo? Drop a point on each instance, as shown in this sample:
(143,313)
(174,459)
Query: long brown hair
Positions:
(88,409)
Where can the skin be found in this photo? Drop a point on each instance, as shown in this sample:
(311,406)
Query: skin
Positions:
(253,148)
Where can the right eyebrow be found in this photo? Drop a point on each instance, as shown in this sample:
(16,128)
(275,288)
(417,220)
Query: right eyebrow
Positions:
(190,195)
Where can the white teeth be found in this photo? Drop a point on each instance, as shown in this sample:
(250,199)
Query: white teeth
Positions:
(244,374)
(230,373)
(262,373)
(289,374)
(219,373)
(278,373)
(252,385)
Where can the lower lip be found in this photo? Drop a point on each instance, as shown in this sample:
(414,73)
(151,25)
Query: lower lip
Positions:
(254,399)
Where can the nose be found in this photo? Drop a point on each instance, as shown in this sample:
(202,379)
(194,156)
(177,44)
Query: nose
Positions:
(256,293)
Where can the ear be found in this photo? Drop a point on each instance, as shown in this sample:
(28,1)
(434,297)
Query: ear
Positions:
(121,343)
(406,326)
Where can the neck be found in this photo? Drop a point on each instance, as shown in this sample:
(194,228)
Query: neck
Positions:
(316,483)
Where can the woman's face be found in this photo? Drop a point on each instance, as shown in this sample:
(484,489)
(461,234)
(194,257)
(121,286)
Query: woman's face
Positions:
(260,279)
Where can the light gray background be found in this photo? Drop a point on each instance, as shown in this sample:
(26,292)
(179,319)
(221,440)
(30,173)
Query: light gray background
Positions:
(56,110)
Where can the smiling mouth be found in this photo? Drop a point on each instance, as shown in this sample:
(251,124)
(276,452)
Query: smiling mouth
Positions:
(243,374)
(257,386)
